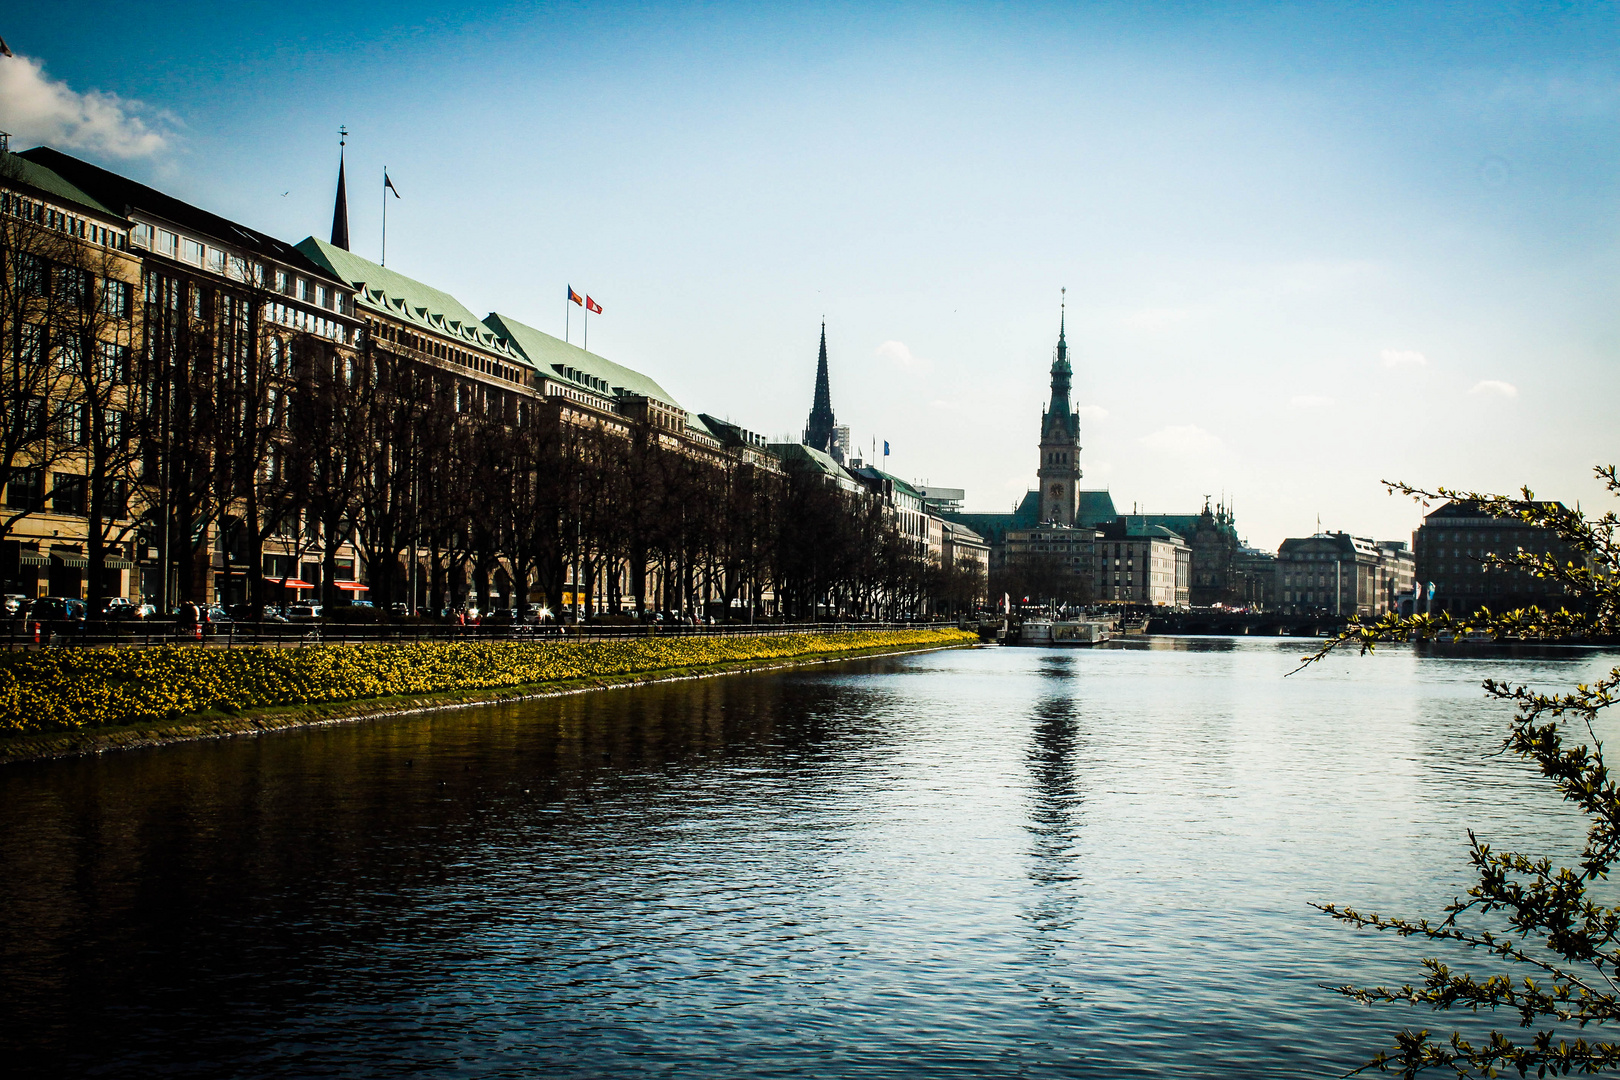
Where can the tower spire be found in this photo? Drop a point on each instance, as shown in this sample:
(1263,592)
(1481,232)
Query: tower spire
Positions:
(818,429)
(340,209)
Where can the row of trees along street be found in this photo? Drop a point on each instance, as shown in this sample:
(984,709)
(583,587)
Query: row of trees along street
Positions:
(165,408)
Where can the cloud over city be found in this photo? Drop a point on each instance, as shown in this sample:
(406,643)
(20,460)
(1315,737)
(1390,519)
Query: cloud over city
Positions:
(1494,388)
(40,109)
(902,356)
(1403,358)
(1186,440)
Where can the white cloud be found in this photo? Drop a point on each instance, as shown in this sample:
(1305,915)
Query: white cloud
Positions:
(1309,401)
(898,352)
(1495,388)
(1187,440)
(1402,357)
(40,109)
(1091,412)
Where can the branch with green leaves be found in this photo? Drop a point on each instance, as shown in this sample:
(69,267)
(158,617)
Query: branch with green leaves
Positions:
(1558,949)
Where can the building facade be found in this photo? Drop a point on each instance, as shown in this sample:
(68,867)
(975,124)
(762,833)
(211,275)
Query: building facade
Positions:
(1342,575)
(1451,548)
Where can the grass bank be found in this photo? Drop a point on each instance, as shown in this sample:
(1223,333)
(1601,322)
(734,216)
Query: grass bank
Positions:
(58,702)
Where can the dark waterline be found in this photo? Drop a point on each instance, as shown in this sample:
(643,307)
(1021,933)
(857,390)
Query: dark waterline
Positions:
(995,862)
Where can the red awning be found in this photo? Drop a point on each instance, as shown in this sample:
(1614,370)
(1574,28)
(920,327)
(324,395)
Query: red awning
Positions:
(291,583)
(352,586)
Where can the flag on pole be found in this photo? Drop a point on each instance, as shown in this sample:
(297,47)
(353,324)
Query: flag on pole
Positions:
(592,306)
(885,447)
(388,185)
(575,297)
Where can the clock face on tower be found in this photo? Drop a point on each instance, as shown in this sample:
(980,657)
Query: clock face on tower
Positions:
(1057,490)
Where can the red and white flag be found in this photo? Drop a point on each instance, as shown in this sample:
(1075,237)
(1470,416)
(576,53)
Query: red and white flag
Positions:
(592,306)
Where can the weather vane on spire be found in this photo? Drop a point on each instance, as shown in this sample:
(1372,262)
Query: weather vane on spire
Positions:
(343,136)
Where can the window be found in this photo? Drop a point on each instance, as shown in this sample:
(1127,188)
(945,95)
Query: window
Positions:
(113,427)
(142,234)
(109,362)
(73,427)
(216,260)
(303,289)
(67,494)
(276,356)
(23,492)
(115,298)
(68,355)
(322,299)
(191,251)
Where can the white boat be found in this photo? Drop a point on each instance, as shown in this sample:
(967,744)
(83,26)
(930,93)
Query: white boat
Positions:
(1064,632)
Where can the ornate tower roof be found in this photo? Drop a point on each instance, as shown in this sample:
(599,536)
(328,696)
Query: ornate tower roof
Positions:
(1059,423)
(818,429)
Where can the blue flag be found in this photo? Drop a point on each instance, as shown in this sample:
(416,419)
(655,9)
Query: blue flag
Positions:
(885,447)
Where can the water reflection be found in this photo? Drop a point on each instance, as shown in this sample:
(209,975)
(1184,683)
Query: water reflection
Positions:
(995,862)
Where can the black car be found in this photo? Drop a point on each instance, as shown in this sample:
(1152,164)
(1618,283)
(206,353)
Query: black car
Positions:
(53,615)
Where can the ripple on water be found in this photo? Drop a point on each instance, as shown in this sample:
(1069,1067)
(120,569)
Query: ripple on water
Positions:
(994,862)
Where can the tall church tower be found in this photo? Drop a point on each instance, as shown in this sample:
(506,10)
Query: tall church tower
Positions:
(819,428)
(1060,442)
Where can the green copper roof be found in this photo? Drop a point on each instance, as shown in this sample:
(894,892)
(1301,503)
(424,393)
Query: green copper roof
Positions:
(899,484)
(15,169)
(380,289)
(800,454)
(552,357)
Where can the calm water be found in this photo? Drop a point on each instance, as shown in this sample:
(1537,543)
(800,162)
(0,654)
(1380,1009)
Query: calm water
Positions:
(992,862)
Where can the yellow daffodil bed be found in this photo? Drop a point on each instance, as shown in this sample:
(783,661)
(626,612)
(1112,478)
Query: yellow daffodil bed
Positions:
(66,690)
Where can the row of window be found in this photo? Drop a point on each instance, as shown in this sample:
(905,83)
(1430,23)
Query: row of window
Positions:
(69,493)
(41,214)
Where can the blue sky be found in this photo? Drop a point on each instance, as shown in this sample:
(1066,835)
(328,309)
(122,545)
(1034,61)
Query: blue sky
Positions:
(1307,247)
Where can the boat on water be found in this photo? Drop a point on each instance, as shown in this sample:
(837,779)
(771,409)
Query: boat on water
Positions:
(1064,632)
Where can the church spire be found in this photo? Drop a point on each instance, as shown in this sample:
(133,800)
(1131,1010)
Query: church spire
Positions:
(1061,371)
(340,209)
(818,429)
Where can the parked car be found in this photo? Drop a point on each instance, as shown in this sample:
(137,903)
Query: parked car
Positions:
(56,615)
(112,608)
(14,603)
(146,611)
(304,609)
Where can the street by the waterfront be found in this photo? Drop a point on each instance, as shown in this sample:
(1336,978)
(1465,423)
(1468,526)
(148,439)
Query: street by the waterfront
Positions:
(986,862)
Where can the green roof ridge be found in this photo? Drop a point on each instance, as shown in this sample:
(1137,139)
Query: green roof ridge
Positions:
(544,351)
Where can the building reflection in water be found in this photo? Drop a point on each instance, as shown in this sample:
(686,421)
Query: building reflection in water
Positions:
(1054,820)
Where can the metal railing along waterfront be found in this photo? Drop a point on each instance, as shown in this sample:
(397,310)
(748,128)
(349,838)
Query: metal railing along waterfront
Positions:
(25,634)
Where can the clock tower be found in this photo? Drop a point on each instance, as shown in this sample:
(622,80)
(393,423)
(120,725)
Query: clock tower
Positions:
(1060,443)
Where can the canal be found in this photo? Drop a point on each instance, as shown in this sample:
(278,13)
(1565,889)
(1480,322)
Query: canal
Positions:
(987,862)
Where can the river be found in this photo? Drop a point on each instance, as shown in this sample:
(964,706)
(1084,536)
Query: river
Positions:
(990,862)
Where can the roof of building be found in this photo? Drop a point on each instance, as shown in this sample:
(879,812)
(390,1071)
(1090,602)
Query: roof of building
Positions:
(961,532)
(19,171)
(388,292)
(1468,508)
(800,455)
(873,473)
(123,194)
(555,357)
(1344,543)
(1095,507)
(1140,527)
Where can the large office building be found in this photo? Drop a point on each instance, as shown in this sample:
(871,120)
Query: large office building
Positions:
(1453,546)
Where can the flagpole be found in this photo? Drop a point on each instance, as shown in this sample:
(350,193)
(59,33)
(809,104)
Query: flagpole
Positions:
(587,345)
(384,260)
(568,313)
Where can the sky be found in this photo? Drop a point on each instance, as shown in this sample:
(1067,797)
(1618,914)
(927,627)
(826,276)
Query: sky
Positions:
(1306,247)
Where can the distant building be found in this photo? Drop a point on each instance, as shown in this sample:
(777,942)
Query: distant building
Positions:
(1138,562)
(1045,563)
(1256,575)
(1450,549)
(942,499)
(1340,574)
(904,502)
